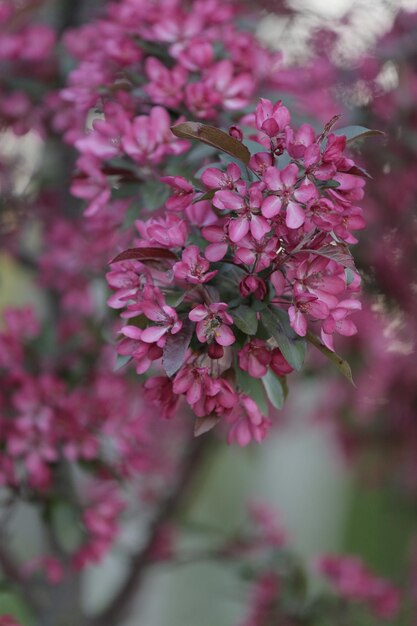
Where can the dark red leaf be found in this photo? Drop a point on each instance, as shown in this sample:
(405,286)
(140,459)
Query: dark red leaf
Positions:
(176,347)
(338,252)
(145,254)
(213,137)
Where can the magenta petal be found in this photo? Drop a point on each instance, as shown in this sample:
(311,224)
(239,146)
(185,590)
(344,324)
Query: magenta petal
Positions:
(297,321)
(213,178)
(238,229)
(225,336)
(153,333)
(346,328)
(182,382)
(227,200)
(295,215)
(243,434)
(259,227)
(153,311)
(133,332)
(289,175)
(216,251)
(271,206)
(307,191)
(272,179)
(198,314)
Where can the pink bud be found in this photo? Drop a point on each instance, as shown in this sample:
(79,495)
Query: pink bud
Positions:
(236,133)
(253,284)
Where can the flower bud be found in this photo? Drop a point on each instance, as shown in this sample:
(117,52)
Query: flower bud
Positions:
(236,133)
(253,284)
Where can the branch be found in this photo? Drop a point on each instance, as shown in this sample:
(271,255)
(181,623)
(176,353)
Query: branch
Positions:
(12,573)
(118,609)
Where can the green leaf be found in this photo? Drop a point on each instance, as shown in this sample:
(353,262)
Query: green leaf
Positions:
(208,195)
(274,389)
(203,425)
(252,387)
(349,275)
(342,365)
(292,346)
(354,133)
(245,319)
(121,361)
(213,137)
(154,195)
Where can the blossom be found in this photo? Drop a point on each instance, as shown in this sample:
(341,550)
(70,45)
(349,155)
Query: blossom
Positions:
(247,422)
(193,268)
(149,139)
(306,304)
(255,358)
(143,353)
(183,193)
(166,318)
(288,197)
(253,284)
(213,323)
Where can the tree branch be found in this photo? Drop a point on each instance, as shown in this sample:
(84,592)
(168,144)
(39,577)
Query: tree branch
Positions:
(119,608)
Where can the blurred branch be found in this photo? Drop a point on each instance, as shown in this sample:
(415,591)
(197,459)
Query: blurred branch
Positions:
(118,609)
(12,572)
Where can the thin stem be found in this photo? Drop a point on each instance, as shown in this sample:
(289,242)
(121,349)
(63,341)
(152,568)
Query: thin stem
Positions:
(120,606)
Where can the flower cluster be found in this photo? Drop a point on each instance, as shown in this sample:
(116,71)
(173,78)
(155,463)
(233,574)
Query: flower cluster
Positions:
(352,581)
(271,261)
(131,81)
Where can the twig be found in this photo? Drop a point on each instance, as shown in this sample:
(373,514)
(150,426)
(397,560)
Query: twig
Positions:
(120,606)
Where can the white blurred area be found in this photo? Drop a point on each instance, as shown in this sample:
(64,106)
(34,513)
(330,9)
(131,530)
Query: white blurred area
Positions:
(358,23)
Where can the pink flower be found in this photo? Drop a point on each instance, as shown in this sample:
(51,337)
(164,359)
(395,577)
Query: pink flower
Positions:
(213,323)
(279,364)
(159,392)
(149,138)
(194,54)
(271,119)
(214,178)
(255,358)
(260,162)
(234,91)
(288,196)
(91,184)
(191,381)
(143,353)
(337,321)
(306,304)
(255,285)
(193,268)
(248,213)
(166,85)
(219,242)
(258,254)
(169,231)
(183,193)
(247,422)
(201,100)
(298,141)
(8,620)
(166,318)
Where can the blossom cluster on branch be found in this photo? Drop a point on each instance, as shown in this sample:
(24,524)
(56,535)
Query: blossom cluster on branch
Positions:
(238,257)
(223,284)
